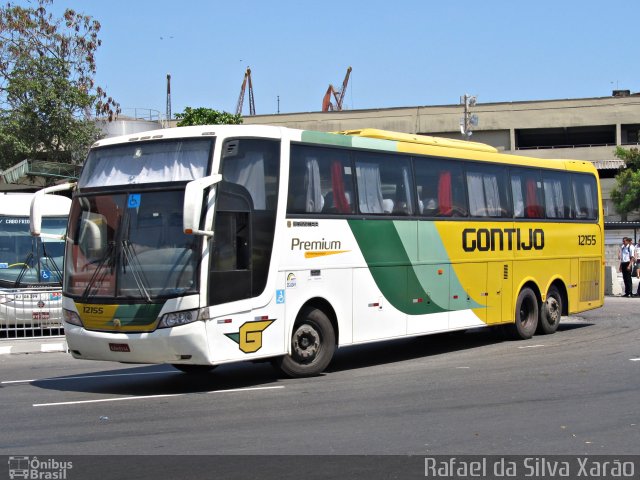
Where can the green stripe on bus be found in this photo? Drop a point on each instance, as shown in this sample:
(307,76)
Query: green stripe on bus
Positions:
(349,141)
(137,315)
(391,253)
(326,138)
(391,267)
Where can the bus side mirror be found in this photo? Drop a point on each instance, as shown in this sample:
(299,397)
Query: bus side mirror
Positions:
(192,210)
(35,217)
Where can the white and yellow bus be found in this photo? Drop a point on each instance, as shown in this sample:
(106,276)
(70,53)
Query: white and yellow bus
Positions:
(200,246)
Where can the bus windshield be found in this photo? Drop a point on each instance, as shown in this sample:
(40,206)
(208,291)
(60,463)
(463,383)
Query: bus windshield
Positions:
(27,260)
(130,245)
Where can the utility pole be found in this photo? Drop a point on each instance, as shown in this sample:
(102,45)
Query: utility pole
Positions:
(168,97)
(468,121)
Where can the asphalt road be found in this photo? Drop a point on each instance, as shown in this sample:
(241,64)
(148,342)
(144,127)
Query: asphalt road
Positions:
(575,392)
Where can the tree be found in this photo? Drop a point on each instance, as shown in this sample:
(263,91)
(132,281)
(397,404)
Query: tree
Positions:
(47,89)
(626,193)
(206,116)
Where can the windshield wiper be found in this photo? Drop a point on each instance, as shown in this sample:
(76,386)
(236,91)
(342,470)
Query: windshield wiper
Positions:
(136,269)
(108,256)
(23,270)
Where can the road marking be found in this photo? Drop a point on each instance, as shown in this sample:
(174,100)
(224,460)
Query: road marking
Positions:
(463,367)
(635,359)
(107,400)
(82,377)
(532,346)
(146,397)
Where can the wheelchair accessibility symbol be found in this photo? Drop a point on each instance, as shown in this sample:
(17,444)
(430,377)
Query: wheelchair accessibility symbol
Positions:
(134,200)
(279,296)
(45,275)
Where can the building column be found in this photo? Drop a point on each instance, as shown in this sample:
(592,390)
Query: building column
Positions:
(618,134)
(512,139)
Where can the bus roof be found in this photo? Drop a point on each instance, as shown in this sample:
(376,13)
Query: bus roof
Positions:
(420,139)
(363,138)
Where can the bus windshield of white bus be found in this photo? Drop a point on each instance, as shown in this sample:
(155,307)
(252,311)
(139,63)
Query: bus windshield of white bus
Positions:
(27,260)
(130,244)
(160,161)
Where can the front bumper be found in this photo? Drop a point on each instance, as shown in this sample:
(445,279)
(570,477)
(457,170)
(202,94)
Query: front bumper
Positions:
(184,344)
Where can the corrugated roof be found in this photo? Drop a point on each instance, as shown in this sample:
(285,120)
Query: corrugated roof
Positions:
(608,164)
(40,168)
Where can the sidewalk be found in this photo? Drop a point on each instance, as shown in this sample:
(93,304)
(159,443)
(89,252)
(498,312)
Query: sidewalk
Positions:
(32,345)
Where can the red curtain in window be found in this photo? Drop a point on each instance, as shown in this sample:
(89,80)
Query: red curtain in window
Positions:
(445,199)
(533,210)
(337,183)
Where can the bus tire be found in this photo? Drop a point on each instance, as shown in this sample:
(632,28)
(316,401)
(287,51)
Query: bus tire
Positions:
(550,312)
(526,321)
(313,343)
(193,369)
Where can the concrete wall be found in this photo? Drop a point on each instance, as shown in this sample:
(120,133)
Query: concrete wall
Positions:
(495,120)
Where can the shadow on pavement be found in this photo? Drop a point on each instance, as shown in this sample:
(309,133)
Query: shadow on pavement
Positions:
(165,380)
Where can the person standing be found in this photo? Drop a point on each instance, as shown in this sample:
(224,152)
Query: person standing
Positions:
(627,254)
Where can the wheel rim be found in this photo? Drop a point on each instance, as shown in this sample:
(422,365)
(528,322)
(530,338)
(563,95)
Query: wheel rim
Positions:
(526,312)
(553,310)
(306,343)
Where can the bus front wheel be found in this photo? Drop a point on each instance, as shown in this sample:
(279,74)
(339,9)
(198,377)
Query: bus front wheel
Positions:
(550,312)
(526,315)
(312,345)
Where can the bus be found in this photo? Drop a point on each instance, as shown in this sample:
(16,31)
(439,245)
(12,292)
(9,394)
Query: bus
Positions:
(200,246)
(31,268)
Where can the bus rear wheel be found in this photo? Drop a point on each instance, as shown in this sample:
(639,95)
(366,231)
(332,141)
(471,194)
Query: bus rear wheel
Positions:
(312,345)
(526,315)
(550,312)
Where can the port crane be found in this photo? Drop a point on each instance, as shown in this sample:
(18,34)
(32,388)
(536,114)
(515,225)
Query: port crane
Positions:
(338,95)
(245,82)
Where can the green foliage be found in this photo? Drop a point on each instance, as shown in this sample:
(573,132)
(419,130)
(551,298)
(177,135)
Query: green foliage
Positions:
(47,92)
(206,116)
(626,193)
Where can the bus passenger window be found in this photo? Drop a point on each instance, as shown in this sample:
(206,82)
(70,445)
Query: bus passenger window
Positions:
(441,187)
(526,190)
(557,199)
(487,188)
(385,184)
(320,181)
(585,196)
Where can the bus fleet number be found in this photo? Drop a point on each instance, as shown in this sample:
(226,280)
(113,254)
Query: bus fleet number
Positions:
(586,239)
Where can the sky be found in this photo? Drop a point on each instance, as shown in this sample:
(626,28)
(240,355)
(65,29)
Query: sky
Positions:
(403,52)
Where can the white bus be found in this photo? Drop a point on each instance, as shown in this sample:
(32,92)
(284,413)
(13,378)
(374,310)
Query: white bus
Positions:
(30,267)
(200,246)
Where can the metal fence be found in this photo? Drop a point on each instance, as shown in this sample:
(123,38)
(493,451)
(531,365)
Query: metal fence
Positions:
(26,313)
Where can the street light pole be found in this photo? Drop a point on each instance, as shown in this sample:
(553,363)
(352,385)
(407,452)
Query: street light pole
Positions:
(468,120)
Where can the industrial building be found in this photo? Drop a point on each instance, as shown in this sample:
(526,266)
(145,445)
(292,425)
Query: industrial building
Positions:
(581,129)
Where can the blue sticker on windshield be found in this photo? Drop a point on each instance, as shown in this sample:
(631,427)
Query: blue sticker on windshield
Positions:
(45,275)
(134,200)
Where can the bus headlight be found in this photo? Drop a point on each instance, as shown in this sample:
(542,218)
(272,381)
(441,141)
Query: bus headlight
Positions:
(176,319)
(71,317)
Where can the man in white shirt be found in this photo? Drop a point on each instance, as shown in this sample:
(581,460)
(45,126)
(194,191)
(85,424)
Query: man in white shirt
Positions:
(627,258)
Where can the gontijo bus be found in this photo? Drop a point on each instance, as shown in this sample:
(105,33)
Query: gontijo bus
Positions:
(200,246)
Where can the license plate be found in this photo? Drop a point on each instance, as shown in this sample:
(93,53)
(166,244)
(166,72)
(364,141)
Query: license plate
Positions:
(119,347)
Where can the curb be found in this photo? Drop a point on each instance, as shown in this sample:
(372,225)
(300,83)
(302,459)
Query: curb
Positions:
(32,345)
